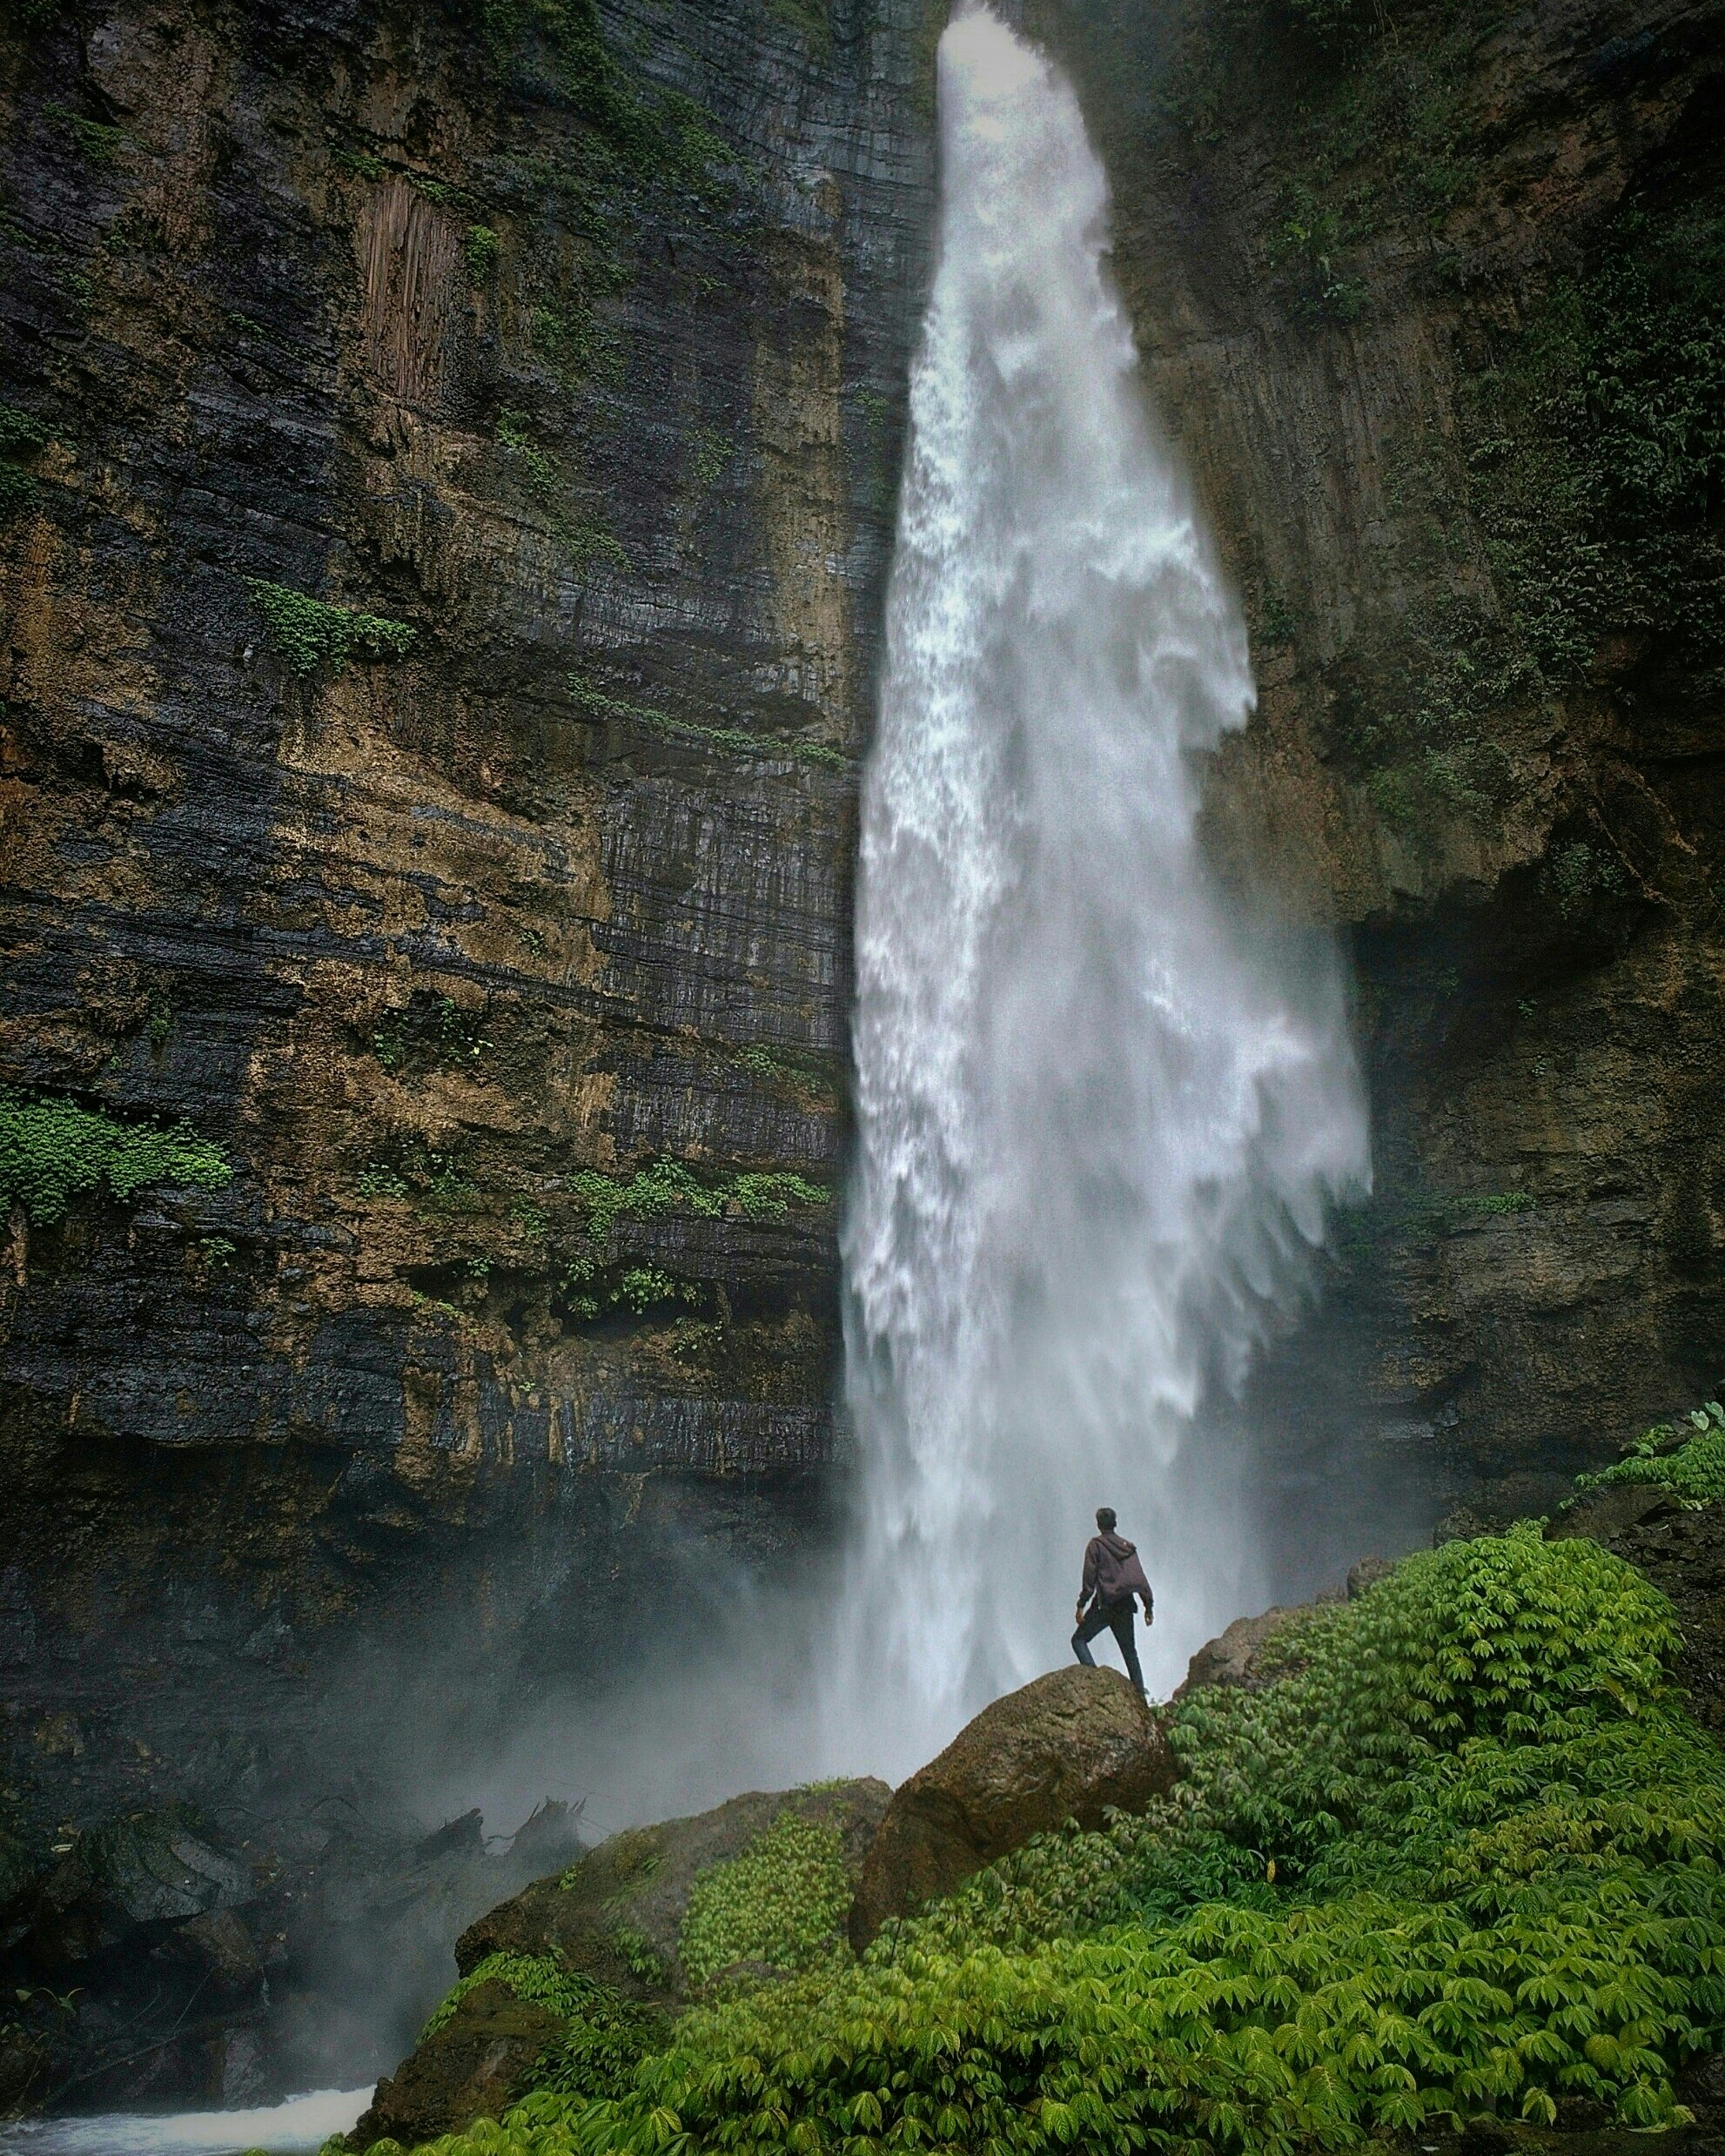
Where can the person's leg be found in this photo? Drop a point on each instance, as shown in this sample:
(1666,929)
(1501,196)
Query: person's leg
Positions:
(1088,1628)
(1120,1623)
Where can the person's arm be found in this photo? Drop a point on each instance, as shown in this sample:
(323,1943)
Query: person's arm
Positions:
(1088,1586)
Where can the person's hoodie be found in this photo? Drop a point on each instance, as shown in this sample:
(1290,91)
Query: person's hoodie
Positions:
(1112,1573)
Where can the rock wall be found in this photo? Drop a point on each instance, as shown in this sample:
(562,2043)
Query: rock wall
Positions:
(447,458)
(1428,296)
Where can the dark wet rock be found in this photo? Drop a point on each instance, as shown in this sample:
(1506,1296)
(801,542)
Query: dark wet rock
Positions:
(1234,1657)
(1599,1515)
(1071,1745)
(474,2067)
(1367,1572)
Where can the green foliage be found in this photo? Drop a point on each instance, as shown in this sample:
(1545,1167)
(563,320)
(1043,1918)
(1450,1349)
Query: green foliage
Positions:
(1692,1470)
(667,1186)
(18,491)
(21,431)
(96,144)
(640,1957)
(1494,1206)
(363,163)
(53,1150)
(782,1900)
(1574,877)
(22,434)
(1466,1854)
(540,1978)
(606,2041)
(217,1252)
(645,1287)
(1308,243)
(530,1218)
(710,454)
(309,632)
(481,250)
(810,19)
(1600,450)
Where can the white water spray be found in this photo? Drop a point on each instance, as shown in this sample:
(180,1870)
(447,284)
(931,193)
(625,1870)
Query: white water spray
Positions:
(1099,1116)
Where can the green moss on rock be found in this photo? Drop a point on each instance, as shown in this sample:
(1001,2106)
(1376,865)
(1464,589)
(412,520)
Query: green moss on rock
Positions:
(53,1150)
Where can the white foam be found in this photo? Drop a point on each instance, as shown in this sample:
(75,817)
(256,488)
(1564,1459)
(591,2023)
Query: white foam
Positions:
(301,2123)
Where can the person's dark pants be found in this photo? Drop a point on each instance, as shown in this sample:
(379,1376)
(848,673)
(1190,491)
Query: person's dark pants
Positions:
(1115,1617)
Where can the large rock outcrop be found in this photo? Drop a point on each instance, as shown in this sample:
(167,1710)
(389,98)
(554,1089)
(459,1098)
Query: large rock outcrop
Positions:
(617,1923)
(1072,1745)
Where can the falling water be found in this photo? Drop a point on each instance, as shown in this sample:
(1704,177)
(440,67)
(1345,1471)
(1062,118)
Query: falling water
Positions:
(1099,1113)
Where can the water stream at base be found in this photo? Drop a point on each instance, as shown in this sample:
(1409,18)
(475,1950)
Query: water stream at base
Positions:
(302,2123)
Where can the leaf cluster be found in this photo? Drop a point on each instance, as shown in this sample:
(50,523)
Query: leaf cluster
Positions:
(544,1979)
(667,1186)
(308,633)
(782,1901)
(1693,1471)
(51,1150)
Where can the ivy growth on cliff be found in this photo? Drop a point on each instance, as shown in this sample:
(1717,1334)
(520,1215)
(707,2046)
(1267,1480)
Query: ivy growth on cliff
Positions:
(1599,452)
(668,1187)
(22,435)
(308,633)
(53,1150)
(1686,1459)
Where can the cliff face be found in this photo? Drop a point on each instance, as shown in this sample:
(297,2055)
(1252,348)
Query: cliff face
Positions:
(447,468)
(1430,297)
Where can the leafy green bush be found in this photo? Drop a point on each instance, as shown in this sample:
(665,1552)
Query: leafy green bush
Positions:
(309,632)
(783,1901)
(1693,1472)
(540,1978)
(51,1150)
(1466,1853)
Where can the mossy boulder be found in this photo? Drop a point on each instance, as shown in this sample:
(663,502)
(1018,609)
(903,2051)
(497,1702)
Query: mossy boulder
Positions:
(1075,1745)
(566,1984)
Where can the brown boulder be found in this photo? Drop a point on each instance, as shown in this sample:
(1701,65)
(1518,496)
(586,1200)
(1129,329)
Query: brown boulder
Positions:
(1072,1745)
(1234,1657)
(617,1916)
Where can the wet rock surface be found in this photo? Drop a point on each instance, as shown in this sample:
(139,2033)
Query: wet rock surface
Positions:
(1072,1745)
(166,1955)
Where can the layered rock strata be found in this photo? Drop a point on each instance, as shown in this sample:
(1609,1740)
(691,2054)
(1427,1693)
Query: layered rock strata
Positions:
(449,458)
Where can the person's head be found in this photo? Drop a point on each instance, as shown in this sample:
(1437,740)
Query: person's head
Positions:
(1104,1518)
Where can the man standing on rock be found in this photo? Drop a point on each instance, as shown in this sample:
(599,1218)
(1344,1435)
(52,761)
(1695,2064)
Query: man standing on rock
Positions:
(1113,1577)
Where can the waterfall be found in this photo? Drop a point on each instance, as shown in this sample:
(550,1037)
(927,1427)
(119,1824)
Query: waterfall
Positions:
(1099,1112)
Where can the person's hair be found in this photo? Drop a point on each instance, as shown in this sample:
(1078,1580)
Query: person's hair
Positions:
(1104,1518)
